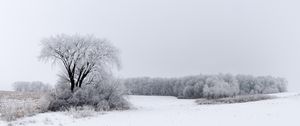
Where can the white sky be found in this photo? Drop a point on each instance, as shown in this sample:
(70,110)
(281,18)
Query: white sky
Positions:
(163,38)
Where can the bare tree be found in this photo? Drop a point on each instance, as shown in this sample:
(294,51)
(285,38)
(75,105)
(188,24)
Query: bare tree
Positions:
(82,57)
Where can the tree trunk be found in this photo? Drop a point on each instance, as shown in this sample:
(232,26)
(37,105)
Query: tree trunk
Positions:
(72,82)
(72,87)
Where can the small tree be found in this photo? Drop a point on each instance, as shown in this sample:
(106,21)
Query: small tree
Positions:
(82,57)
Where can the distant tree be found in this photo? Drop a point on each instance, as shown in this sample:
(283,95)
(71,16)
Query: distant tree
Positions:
(82,57)
(35,86)
(188,92)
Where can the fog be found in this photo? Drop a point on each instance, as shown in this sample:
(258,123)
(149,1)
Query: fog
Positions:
(158,38)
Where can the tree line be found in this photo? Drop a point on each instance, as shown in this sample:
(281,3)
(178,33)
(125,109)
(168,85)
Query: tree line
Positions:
(206,86)
(35,86)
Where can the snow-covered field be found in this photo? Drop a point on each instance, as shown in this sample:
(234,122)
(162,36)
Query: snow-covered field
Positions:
(169,111)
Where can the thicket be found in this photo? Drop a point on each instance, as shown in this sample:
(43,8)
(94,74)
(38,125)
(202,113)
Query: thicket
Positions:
(206,86)
(102,95)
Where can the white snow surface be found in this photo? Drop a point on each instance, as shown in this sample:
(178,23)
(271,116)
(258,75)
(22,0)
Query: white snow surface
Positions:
(170,111)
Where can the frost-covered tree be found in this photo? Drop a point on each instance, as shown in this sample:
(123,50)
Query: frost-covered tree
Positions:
(82,57)
(246,84)
(206,86)
(188,92)
(35,86)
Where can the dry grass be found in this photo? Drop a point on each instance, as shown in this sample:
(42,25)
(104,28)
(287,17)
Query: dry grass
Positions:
(82,112)
(235,99)
(20,95)
(14,105)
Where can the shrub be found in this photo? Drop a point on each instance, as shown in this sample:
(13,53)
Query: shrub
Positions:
(103,96)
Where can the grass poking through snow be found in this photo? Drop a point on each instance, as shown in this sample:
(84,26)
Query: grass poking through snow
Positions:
(236,99)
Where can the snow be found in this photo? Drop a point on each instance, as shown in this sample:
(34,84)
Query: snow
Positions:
(169,111)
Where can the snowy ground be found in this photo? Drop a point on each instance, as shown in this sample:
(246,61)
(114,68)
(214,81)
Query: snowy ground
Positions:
(169,111)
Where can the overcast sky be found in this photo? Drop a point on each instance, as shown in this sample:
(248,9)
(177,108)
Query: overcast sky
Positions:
(158,38)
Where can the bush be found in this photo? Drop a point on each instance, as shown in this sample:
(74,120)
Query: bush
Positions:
(206,86)
(103,96)
(235,99)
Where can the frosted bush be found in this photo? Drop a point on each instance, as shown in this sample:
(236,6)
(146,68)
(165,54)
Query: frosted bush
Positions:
(103,96)
(220,86)
(103,106)
(44,103)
